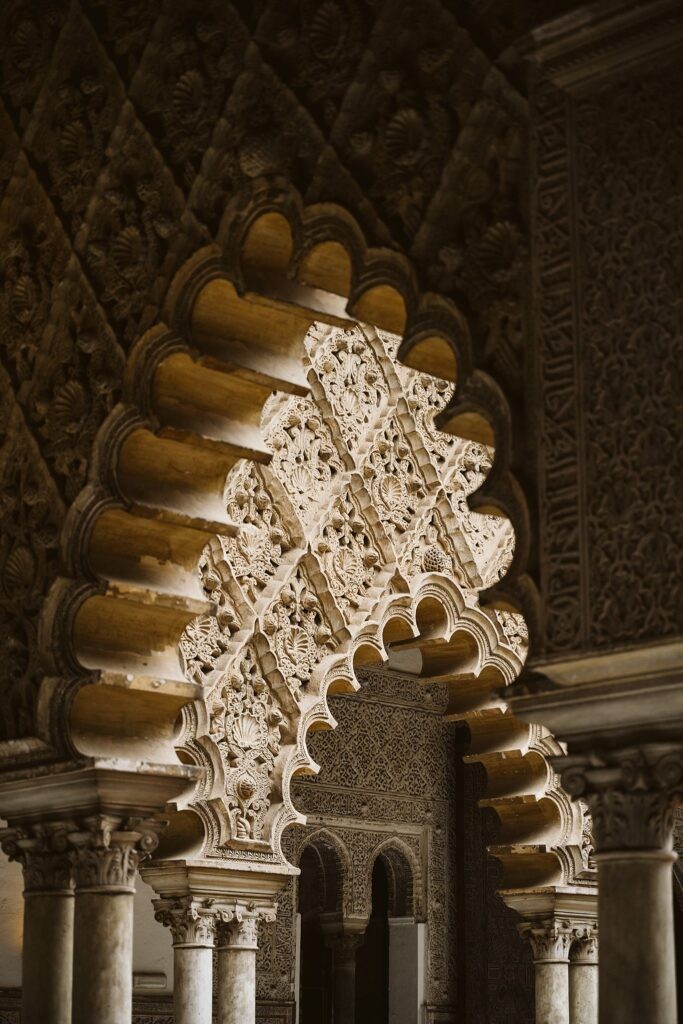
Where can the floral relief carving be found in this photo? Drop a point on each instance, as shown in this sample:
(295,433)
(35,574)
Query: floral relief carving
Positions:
(305,458)
(437,547)
(349,552)
(203,642)
(247,725)
(515,629)
(192,59)
(392,475)
(262,539)
(427,396)
(352,379)
(299,630)
(73,118)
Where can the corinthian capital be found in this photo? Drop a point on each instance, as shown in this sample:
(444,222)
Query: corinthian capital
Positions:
(631,794)
(192,922)
(550,940)
(43,852)
(106,851)
(237,925)
(585,944)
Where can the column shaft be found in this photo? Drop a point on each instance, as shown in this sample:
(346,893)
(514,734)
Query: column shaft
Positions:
(637,958)
(192,984)
(345,992)
(47,958)
(552,992)
(103,958)
(583,993)
(236,985)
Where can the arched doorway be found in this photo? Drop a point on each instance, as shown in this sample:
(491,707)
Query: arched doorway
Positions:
(389,963)
(372,959)
(318,902)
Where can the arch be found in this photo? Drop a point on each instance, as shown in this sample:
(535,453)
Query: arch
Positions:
(335,869)
(199,577)
(404,875)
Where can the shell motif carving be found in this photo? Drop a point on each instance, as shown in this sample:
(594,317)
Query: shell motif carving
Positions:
(247,725)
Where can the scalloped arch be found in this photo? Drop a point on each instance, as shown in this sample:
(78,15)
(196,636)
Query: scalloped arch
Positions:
(236,318)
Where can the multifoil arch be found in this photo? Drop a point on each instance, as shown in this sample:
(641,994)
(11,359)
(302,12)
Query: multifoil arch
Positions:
(290,490)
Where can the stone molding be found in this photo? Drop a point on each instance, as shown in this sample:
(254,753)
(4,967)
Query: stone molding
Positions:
(631,794)
(599,40)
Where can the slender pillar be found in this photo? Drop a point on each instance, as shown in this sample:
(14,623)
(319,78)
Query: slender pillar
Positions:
(237,940)
(631,794)
(551,941)
(48,921)
(106,853)
(344,946)
(583,976)
(192,926)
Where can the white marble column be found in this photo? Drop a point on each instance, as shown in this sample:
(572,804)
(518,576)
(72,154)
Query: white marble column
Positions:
(344,946)
(192,927)
(631,794)
(550,941)
(583,976)
(237,942)
(106,853)
(48,921)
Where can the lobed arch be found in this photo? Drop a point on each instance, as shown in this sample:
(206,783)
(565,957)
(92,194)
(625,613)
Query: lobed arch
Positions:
(158,630)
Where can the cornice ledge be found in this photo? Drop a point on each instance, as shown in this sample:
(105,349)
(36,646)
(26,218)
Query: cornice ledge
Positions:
(602,39)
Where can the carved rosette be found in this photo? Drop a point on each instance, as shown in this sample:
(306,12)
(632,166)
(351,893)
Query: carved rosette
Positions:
(631,794)
(550,940)
(191,921)
(106,851)
(44,854)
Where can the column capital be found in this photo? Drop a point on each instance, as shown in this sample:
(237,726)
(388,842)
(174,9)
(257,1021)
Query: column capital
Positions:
(43,852)
(106,851)
(584,948)
(344,945)
(631,794)
(550,940)
(237,924)
(192,922)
